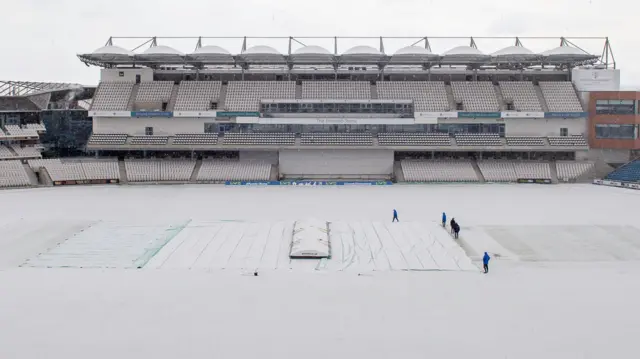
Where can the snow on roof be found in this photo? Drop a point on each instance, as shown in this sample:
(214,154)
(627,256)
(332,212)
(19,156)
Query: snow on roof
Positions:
(413,50)
(210,50)
(261,50)
(312,50)
(112,50)
(161,50)
(362,50)
(514,53)
(464,54)
(567,53)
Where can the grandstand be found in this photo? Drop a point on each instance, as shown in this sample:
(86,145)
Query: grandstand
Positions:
(441,115)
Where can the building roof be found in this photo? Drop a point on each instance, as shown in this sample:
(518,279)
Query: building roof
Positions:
(464,55)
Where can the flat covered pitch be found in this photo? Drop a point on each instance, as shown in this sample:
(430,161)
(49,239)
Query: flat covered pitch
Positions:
(562,282)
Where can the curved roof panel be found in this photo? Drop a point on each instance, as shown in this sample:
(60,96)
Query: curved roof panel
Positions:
(261,50)
(262,54)
(311,50)
(362,50)
(312,55)
(567,54)
(110,54)
(464,55)
(412,54)
(212,55)
(514,54)
(361,55)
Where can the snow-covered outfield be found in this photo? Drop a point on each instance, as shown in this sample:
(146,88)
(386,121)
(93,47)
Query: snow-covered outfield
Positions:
(564,282)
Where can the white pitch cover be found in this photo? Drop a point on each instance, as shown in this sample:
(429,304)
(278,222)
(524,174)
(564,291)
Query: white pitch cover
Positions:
(310,239)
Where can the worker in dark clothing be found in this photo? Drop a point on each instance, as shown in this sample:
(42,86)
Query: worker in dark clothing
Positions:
(456,230)
(452,224)
(395,216)
(485,262)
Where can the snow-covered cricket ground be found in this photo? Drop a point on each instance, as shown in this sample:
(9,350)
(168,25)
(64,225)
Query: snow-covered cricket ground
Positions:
(564,280)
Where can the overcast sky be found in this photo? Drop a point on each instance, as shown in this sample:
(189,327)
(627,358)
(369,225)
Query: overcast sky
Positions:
(40,38)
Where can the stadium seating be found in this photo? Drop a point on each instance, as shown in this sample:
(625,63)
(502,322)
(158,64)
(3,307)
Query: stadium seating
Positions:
(112,96)
(523,95)
(498,171)
(234,171)
(438,171)
(17,131)
(107,139)
(101,170)
(476,96)
(627,173)
(259,138)
(560,96)
(568,141)
(525,141)
(532,170)
(196,139)
(38,127)
(571,170)
(36,164)
(154,91)
(27,151)
(5,153)
(149,140)
(338,139)
(13,174)
(414,139)
(159,170)
(246,95)
(2,134)
(336,90)
(197,95)
(65,171)
(478,139)
(427,96)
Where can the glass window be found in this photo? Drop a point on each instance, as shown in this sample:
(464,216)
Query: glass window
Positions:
(622,132)
(564,131)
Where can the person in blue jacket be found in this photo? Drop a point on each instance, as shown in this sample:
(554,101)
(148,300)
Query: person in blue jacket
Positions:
(444,219)
(395,216)
(485,261)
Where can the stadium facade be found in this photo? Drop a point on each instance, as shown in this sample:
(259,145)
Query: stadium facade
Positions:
(361,113)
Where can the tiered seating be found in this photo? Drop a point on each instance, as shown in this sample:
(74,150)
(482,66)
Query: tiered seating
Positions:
(571,170)
(627,173)
(234,171)
(112,96)
(28,151)
(197,95)
(154,91)
(65,171)
(36,164)
(427,96)
(478,139)
(560,96)
(568,141)
(38,127)
(259,138)
(532,170)
(196,139)
(336,90)
(524,141)
(523,95)
(414,139)
(340,139)
(498,171)
(438,171)
(149,140)
(5,153)
(2,134)
(101,170)
(476,96)
(159,170)
(107,139)
(17,131)
(13,174)
(246,95)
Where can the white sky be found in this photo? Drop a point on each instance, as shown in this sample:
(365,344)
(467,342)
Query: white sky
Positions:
(40,39)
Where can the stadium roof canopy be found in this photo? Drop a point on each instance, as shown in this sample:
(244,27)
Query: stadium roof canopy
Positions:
(28,88)
(567,55)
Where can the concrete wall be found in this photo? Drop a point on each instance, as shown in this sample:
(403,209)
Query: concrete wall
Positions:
(336,163)
(125,75)
(136,126)
(544,127)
